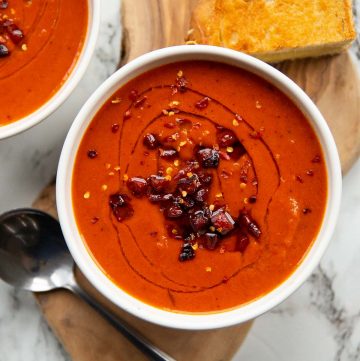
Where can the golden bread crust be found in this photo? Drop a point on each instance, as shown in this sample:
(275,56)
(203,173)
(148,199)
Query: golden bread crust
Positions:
(264,28)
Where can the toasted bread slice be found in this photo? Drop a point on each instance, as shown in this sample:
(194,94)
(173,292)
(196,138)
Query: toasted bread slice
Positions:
(275,30)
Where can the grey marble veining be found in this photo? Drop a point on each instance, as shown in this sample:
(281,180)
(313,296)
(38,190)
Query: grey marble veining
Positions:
(319,322)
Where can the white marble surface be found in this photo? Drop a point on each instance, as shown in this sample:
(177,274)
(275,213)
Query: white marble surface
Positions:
(321,321)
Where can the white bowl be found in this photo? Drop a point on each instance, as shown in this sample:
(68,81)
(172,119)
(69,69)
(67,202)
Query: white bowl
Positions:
(69,85)
(66,212)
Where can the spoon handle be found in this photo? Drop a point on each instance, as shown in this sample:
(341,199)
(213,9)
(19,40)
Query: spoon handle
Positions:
(144,345)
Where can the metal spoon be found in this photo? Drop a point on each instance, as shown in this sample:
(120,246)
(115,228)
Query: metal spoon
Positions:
(34,256)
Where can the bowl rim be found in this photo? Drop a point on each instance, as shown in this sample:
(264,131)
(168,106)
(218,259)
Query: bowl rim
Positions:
(65,90)
(89,266)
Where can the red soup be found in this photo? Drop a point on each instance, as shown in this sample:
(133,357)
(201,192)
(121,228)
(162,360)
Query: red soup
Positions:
(199,187)
(40,42)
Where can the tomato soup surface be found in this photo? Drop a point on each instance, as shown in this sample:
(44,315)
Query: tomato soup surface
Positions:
(40,43)
(199,187)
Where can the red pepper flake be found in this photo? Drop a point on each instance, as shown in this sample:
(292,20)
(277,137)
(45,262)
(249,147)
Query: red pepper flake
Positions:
(127,115)
(181,84)
(92,153)
(306,210)
(243,178)
(138,103)
(316,159)
(153,234)
(224,155)
(94,220)
(170,125)
(239,117)
(299,179)
(225,174)
(133,95)
(168,153)
(252,199)
(115,128)
(255,134)
(202,103)
(242,242)
(310,172)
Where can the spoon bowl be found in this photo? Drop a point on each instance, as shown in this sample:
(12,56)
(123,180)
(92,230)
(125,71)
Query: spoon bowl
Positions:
(33,252)
(34,257)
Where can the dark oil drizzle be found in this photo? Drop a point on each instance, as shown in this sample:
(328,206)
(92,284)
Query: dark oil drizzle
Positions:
(198,290)
(251,265)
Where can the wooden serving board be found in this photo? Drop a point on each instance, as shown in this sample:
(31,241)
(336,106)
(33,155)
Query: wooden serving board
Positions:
(332,82)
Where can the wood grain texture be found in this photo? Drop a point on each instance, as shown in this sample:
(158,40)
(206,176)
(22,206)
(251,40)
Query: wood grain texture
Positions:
(332,83)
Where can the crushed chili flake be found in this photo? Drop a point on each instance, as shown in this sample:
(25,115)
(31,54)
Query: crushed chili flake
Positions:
(116,101)
(127,115)
(92,153)
(306,210)
(170,125)
(225,174)
(133,95)
(239,117)
(115,128)
(202,103)
(299,179)
(94,220)
(174,103)
(255,134)
(140,102)
(242,242)
(224,155)
(181,84)
(310,172)
(316,159)
(252,199)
